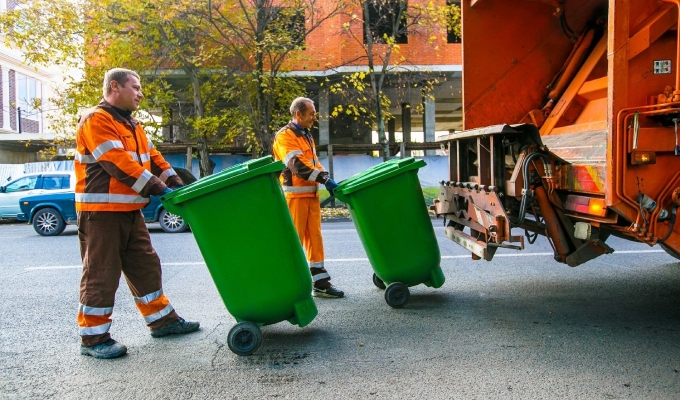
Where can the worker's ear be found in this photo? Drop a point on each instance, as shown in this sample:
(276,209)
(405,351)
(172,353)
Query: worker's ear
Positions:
(115,86)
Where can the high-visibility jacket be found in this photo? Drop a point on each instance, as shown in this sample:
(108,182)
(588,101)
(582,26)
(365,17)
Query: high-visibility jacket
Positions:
(116,166)
(303,171)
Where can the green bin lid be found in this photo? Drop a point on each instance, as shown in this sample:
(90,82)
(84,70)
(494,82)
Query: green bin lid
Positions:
(377,174)
(226,177)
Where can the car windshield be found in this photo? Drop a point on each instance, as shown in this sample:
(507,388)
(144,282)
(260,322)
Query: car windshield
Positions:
(26,183)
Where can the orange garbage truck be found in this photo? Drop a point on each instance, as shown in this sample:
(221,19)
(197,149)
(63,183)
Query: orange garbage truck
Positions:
(570,115)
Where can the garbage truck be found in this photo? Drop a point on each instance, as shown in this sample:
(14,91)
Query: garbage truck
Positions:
(570,127)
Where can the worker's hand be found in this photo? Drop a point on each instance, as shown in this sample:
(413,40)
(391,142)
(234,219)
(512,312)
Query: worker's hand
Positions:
(331,186)
(166,191)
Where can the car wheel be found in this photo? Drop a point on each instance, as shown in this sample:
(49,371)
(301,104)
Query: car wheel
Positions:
(171,223)
(48,222)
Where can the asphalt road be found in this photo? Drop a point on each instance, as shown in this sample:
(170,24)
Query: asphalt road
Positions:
(521,326)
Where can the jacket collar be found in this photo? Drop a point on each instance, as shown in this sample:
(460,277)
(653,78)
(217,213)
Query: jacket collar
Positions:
(297,129)
(104,105)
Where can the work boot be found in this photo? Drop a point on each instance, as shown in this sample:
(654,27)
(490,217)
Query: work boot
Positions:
(330,292)
(178,327)
(108,349)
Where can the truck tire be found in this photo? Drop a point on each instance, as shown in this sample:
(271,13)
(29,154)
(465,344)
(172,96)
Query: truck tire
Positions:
(669,251)
(48,222)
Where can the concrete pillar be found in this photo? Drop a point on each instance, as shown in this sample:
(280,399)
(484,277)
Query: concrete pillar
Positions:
(168,127)
(406,125)
(429,123)
(390,130)
(324,119)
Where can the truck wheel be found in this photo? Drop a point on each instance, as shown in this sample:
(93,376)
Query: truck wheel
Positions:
(397,294)
(378,282)
(48,222)
(171,223)
(244,338)
(670,251)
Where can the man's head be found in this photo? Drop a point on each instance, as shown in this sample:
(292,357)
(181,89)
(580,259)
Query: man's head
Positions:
(122,89)
(303,112)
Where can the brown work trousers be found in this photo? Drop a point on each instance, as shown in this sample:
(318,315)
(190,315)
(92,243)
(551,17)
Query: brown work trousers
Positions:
(111,243)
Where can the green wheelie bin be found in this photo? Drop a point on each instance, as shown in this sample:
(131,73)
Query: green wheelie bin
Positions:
(389,212)
(243,228)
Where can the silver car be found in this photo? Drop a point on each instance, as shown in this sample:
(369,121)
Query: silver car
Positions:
(32,184)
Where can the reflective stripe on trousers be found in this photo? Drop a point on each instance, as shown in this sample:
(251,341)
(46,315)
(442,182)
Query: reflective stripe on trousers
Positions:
(306,214)
(112,243)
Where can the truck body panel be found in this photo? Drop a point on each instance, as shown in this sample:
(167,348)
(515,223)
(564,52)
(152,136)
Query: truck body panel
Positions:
(570,113)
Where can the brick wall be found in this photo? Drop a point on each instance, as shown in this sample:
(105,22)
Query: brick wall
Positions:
(12,99)
(328,46)
(30,126)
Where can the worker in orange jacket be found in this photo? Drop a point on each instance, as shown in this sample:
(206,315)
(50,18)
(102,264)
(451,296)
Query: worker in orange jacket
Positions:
(117,168)
(294,145)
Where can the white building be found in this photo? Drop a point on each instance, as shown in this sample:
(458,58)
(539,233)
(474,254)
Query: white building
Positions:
(25,129)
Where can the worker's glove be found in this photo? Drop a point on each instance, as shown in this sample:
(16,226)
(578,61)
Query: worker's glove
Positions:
(166,191)
(331,186)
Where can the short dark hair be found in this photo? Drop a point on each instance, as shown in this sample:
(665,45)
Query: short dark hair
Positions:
(120,75)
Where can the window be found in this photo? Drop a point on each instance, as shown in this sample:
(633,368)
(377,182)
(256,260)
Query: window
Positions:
(26,183)
(28,97)
(55,182)
(453,21)
(382,16)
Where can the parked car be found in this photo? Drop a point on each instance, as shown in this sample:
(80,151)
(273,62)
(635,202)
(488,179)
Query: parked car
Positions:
(51,212)
(33,184)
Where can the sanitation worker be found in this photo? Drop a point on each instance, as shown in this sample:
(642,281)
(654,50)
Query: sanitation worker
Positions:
(294,145)
(117,169)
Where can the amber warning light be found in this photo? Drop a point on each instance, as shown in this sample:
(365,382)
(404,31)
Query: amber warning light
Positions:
(643,157)
(586,205)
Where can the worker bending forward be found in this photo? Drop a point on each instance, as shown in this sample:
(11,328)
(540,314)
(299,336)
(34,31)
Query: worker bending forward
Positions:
(294,145)
(117,169)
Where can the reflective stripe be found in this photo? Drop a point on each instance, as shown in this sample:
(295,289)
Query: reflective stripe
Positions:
(133,155)
(149,297)
(146,157)
(156,316)
(315,173)
(110,198)
(167,174)
(316,278)
(151,146)
(85,159)
(95,330)
(316,264)
(106,146)
(299,189)
(142,181)
(87,310)
(290,155)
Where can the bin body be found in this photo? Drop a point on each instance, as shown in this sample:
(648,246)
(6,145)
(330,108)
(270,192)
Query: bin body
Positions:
(245,233)
(389,212)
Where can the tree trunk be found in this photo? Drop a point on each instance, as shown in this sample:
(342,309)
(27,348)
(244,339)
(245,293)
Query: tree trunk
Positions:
(206,165)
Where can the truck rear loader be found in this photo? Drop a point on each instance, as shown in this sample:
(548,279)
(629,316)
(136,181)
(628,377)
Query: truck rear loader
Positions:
(570,115)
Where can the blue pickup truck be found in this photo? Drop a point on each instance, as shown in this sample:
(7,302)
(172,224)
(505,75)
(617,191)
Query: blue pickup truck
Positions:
(51,212)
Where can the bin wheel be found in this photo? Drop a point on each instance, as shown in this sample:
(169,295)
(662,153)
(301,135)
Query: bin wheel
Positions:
(378,282)
(396,295)
(244,338)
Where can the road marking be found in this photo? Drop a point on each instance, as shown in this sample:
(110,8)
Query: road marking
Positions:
(173,264)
